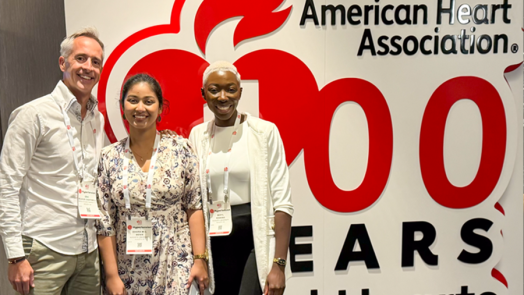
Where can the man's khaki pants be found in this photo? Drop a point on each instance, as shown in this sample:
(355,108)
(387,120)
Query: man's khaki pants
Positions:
(58,274)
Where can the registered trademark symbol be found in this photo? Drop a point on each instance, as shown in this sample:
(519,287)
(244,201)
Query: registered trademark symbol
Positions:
(515,48)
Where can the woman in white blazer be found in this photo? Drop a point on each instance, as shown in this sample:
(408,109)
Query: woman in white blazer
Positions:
(245,191)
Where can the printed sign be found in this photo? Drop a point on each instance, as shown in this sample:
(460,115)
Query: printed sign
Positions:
(401,121)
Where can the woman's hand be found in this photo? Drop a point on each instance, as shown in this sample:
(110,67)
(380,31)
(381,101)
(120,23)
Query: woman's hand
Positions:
(275,281)
(199,275)
(115,286)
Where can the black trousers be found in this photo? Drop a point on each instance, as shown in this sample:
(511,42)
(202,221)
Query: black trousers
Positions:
(234,259)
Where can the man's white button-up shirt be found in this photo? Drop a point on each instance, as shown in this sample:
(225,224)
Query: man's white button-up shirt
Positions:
(38,179)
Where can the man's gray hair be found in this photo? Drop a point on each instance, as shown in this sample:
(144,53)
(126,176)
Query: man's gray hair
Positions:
(66,47)
(220,66)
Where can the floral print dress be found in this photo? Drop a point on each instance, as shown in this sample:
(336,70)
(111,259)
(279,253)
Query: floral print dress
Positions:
(175,189)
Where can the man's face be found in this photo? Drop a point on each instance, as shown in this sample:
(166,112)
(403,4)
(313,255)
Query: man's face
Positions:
(82,67)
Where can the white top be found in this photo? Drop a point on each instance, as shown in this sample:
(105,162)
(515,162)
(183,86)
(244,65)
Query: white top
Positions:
(38,182)
(238,166)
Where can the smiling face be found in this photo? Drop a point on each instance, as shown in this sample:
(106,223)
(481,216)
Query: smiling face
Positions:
(222,93)
(141,106)
(81,69)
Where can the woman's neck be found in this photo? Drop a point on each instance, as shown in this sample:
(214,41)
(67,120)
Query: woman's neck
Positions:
(230,122)
(142,139)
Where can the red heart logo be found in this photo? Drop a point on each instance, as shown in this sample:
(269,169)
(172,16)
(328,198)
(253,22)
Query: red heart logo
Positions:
(163,64)
(289,96)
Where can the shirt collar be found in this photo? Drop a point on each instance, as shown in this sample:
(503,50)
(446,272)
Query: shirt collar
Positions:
(211,122)
(65,98)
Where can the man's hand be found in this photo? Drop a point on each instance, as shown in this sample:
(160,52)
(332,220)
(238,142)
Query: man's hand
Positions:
(21,276)
(275,281)
(115,286)
(199,274)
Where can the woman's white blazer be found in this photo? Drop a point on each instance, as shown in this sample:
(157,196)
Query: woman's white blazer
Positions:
(270,188)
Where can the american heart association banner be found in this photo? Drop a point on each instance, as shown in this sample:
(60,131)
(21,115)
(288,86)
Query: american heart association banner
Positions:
(401,120)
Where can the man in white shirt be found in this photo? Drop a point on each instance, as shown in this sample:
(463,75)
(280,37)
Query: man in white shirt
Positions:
(50,151)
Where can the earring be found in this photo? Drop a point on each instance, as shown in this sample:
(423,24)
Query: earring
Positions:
(158,119)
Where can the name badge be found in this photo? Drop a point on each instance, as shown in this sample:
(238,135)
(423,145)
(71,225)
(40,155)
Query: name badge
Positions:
(220,222)
(87,203)
(139,236)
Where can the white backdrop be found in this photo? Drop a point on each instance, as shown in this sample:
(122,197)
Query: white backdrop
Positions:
(315,57)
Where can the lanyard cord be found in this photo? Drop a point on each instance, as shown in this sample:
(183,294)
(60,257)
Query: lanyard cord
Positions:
(228,157)
(127,156)
(67,123)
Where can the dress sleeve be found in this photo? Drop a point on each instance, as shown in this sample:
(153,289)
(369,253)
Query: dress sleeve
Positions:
(105,225)
(192,193)
(279,174)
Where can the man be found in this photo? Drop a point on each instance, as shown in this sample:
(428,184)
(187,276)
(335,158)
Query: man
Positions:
(50,154)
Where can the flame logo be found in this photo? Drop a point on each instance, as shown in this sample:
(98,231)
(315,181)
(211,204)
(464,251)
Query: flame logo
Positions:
(259,18)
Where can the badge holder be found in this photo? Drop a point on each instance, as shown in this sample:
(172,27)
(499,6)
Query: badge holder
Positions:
(139,236)
(87,202)
(220,220)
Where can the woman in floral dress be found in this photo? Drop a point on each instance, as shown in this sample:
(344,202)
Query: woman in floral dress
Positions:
(144,171)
